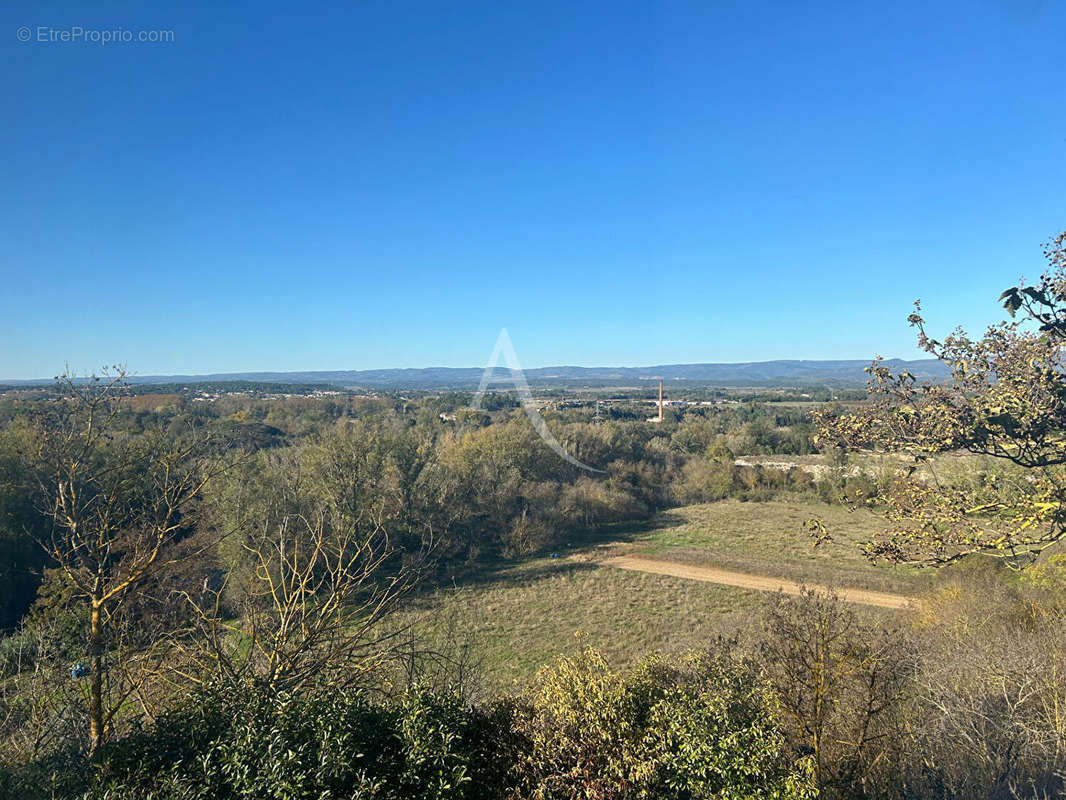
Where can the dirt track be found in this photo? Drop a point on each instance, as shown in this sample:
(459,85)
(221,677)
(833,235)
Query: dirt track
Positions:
(746,581)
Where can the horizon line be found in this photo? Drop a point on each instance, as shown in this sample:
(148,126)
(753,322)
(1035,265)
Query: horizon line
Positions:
(245,372)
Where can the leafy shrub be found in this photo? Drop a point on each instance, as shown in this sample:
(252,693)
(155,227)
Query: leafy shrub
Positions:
(705,481)
(250,744)
(702,726)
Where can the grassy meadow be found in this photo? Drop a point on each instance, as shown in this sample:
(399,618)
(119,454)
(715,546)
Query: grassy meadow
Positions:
(770,539)
(520,616)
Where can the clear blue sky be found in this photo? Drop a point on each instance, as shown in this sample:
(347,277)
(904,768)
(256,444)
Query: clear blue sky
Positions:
(375,184)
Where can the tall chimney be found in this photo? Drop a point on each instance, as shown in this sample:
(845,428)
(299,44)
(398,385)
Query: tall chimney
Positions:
(660,400)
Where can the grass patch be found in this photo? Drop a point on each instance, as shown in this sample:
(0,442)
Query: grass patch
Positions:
(515,617)
(770,539)
(526,616)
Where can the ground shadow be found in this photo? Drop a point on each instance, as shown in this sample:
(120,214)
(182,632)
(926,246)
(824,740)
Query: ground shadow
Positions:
(621,532)
(576,553)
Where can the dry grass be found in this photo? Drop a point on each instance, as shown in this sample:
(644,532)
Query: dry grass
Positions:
(524,617)
(521,616)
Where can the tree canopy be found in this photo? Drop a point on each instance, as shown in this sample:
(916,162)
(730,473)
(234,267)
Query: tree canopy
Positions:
(1005,400)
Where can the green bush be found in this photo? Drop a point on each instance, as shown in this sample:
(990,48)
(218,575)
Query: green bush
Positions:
(706,481)
(702,726)
(249,744)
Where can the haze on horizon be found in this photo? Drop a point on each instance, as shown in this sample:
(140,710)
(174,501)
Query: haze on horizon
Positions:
(473,372)
(617,184)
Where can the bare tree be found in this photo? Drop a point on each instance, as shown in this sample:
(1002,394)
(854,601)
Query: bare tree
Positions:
(990,704)
(840,684)
(38,702)
(117,504)
(310,607)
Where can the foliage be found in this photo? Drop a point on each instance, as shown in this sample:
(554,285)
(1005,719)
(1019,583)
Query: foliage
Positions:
(242,742)
(986,712)
(1007,400)
(22,560)
(274,577)
(700,727)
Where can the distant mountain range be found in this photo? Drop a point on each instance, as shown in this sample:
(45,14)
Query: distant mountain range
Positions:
(759,373)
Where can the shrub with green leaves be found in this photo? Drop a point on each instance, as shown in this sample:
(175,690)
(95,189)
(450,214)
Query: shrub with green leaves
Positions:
(702,726)
(252,745)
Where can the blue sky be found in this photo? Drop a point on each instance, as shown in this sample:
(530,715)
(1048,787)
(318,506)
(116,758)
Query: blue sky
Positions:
(371,184)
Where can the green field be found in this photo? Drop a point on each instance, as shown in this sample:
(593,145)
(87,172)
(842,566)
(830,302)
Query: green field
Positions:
(522,615)
(770,539)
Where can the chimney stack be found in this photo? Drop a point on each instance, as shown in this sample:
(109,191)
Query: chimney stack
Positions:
(660,400)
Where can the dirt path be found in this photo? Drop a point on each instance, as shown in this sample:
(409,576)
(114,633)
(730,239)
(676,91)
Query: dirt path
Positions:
(747,581)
